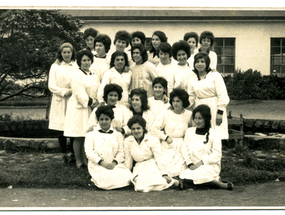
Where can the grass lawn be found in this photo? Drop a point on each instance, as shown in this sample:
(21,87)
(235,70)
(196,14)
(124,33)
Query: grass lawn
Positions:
(239,165)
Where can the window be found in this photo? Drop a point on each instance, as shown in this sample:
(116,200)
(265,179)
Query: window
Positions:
(147,43)
(225,50)
(277,56)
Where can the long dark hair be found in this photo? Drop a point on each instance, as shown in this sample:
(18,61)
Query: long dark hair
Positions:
(205,111)
(143,96)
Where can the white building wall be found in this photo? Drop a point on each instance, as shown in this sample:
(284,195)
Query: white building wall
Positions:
(252,37)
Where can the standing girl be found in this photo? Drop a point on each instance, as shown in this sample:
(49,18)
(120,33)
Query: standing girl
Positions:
(209,88)
(84,87)
(59,84)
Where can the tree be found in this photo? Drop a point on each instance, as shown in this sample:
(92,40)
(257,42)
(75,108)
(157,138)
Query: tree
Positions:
(29,41)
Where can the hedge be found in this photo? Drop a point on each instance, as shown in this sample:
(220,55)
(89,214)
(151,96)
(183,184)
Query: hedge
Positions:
(252,85)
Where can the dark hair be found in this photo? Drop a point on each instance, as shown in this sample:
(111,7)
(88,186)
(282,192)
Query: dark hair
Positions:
(105,109)
(207,34)
(181,94)
(205,111)
(205,56)
(112,87)
(90,32)
(180,45)
(143,96)
(82,53)
(162,38)
(137,119)
(142,50)
(139,35)
(162,81)
(116,54)
(191,35)
(59,56)
(105,39)
(123,35)
(165,47)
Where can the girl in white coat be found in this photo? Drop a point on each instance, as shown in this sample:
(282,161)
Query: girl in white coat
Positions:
(105,152)
(202,151)
(59,84)
(84,87)
(209,88)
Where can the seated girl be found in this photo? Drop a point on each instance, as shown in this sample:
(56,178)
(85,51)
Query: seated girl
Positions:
(105,152)
(149,172)
(202,151)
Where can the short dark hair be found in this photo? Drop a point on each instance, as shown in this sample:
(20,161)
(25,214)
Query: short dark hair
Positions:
(59,56)
(142,93)
(116,54)
(82,53)
(142,50)
(162,38)
(140,35)
(181,94)
(191,35)
(112,87)
(137,119)
(180,45)
(90,32)
(105,39)
(207,34)
(205,56)
(105,109)
(162,81)
(166,48)
(123,35)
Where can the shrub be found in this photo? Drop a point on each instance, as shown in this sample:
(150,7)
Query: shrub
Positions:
(252,85)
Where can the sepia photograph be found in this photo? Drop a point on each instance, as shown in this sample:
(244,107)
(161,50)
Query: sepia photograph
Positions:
(136,107)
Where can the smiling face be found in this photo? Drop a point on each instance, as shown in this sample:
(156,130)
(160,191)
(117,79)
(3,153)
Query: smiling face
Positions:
(104,122)
(90,42)
(85,63)
(120,45)
(158,91)
(200,65)
(136,103)
(199,120)
(155,41)
(182,57)
(137,131)
(192,42)
(137,56)
(119,63)
(177,104)
(100,49)
(112,98)
(66,54)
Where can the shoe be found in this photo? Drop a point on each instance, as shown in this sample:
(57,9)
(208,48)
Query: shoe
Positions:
(230,186)
(64,159)
(79,165)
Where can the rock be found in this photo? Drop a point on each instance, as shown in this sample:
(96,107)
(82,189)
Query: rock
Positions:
(282,125)
(258,124)
(249,123)
(275,125)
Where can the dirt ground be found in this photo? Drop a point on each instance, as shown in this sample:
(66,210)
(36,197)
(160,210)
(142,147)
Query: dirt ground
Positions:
(253,196)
